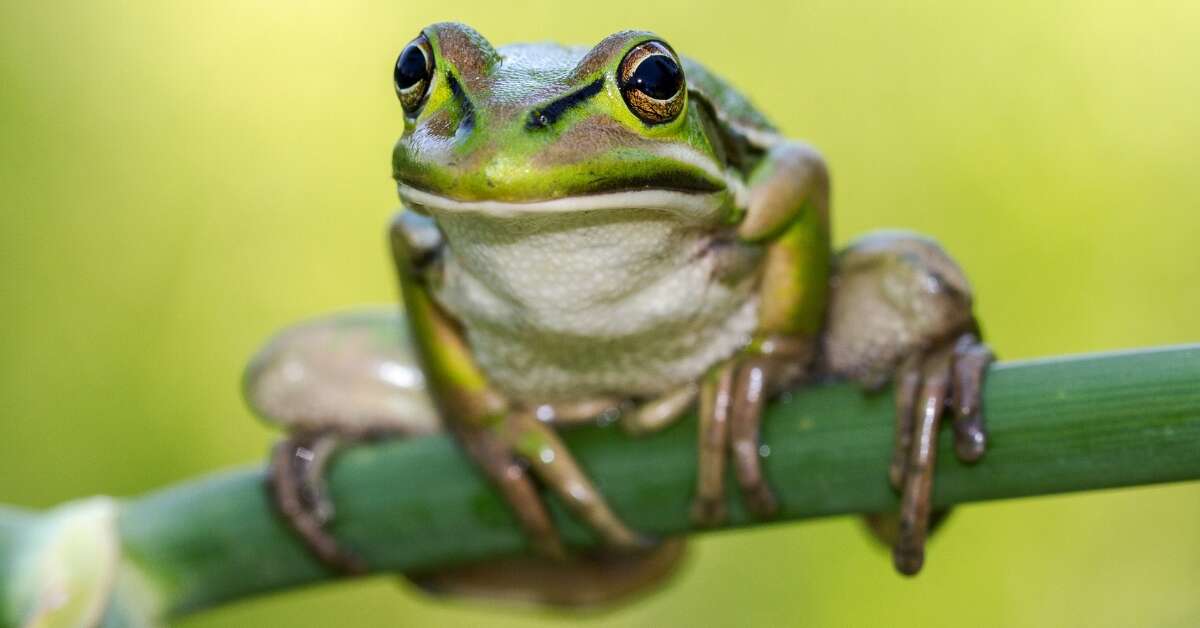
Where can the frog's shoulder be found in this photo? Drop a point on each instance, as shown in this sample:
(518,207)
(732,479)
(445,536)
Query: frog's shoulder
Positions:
(728,105)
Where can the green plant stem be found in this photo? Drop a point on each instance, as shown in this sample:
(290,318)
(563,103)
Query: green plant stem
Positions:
(1059,425)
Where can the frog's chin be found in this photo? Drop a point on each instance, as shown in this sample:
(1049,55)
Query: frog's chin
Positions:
(700,206)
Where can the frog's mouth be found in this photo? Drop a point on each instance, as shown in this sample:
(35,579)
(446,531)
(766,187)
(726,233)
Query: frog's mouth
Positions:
(694,205)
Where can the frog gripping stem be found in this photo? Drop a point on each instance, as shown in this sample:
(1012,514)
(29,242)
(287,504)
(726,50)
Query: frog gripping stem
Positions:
(949,376)
(296,482)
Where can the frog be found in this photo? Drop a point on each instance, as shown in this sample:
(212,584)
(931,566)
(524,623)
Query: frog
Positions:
(611,234)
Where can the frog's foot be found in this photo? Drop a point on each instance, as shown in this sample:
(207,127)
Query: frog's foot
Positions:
(948,375)
(330,382)
(900,309)
(596,578)
(731,405)
(519,444)
(296,480)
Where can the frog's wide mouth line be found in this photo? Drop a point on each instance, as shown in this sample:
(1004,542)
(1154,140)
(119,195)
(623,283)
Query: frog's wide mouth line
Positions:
(698,205)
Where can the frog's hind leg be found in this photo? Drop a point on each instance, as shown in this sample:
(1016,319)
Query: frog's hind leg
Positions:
(331,382)
(900,309)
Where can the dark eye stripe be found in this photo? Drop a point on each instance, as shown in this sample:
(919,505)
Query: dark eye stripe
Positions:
(545,116)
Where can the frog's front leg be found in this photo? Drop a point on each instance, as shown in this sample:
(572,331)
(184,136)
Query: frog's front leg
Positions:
(505,439)
(900,309)
(787,211)
(334,381)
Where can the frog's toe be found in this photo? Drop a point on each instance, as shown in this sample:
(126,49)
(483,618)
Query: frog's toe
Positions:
(549,458)
(749,392)
(949,375)
(297,487)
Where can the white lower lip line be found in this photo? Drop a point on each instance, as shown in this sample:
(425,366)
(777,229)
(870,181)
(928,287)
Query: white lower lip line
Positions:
(694,204)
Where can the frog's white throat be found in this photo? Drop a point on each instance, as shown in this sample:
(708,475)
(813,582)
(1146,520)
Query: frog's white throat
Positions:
(697,206)
(625,301)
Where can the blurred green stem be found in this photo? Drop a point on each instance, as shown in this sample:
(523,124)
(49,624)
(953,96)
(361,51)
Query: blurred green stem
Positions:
(1058,425)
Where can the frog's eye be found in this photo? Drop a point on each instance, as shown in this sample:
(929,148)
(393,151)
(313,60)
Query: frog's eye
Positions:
(651,82)
(413,74)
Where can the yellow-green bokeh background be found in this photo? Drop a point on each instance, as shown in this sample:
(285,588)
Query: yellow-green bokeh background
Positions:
(179,179)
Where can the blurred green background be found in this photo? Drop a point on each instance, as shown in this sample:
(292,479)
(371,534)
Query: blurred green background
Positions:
(178,180)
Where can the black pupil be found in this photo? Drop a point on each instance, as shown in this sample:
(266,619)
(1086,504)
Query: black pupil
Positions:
(410,68)
(658,77)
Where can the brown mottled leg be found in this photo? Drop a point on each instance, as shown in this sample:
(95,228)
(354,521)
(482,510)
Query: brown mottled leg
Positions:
(296,478)
(715,404)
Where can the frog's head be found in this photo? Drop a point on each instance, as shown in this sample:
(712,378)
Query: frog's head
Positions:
(546,128)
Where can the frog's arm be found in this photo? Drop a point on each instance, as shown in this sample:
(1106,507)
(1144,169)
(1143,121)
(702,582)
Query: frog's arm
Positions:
(504,439)
(341,377)
(787,211)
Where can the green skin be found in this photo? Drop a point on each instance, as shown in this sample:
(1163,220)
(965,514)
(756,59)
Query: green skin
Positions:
(536,133)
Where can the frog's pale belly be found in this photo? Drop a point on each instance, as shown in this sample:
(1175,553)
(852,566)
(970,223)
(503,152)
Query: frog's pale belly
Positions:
(625,302)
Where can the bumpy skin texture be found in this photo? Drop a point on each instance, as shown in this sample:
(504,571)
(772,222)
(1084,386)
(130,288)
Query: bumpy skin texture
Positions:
(572,246)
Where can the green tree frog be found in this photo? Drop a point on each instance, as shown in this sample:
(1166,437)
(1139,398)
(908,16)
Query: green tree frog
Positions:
(611,232)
